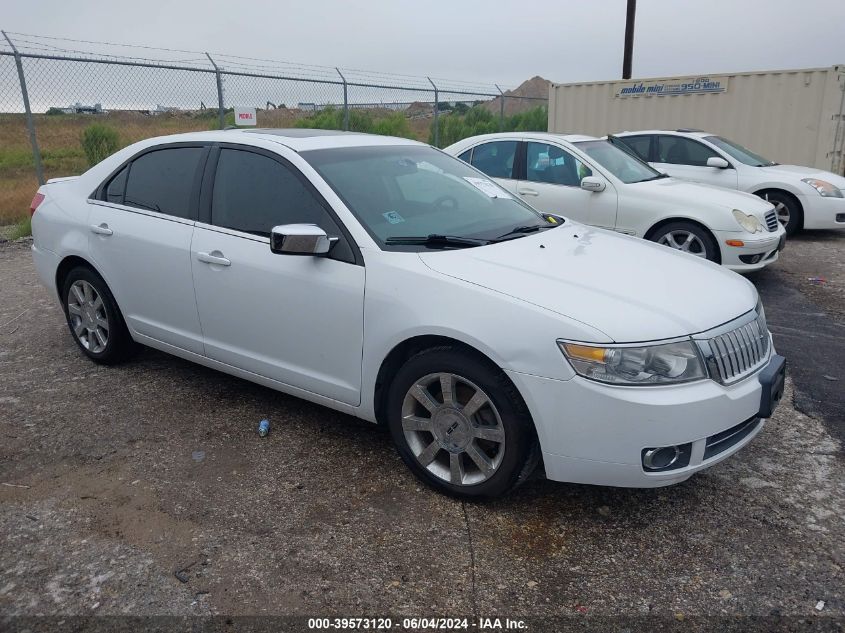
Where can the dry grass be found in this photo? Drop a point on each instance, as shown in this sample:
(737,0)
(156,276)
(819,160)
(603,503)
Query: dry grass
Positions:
(61,150)
(59,139)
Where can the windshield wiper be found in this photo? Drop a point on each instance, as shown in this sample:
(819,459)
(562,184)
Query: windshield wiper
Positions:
(522,230)
(434,240)
(657,177)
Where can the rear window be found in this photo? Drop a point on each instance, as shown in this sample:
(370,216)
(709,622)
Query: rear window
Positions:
(163,181)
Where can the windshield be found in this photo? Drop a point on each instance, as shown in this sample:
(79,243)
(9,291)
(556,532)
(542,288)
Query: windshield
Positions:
(417,191)
(620,163)
(739,152)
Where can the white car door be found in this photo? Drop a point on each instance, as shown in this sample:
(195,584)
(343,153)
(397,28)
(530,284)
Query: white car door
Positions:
(686,158)
(295,319)
(496,159)
(141,227)
(552,184)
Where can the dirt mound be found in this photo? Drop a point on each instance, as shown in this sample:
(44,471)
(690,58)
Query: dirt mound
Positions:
(535,92)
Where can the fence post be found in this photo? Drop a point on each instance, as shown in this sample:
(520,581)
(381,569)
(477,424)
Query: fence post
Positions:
(436,113)
(30,124)
(221,111)
(501,108)
(345,101)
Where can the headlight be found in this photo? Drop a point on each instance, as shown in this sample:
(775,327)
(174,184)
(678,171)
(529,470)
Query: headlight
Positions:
(647,365)
(825,189)
(749,222)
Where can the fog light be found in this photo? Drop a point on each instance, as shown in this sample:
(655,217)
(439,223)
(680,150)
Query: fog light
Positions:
(840,217)
(662,458)
(751,259)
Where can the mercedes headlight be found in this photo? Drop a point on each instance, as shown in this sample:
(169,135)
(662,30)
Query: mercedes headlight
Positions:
(662,364)
(825,189)
(749,222)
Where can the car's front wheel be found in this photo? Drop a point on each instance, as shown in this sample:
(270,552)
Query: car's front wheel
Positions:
(460,425)
(94,319)
(788,210)
(688,238)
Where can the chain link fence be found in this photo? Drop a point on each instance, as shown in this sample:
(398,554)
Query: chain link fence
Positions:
(52,89)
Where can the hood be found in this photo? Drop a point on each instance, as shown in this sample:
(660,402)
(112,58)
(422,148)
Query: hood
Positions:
(630,289)
(682,192)
(798,172)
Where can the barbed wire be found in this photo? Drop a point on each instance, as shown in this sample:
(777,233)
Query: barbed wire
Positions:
(37,44)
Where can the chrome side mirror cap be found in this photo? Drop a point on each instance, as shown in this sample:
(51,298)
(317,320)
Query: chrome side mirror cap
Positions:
(718,162)
(300,239)
(593,183)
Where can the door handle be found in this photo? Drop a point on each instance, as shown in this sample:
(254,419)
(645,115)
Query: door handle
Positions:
(208,258)
(101,229)
(529,192)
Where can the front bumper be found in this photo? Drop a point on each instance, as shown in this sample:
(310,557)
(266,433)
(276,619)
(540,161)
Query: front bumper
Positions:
(823,213)
(596,434)
(757,252)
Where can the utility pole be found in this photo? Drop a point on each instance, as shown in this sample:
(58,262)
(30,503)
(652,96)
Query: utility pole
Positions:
(629,39)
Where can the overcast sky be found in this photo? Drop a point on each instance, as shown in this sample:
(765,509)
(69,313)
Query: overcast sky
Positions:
(474,40)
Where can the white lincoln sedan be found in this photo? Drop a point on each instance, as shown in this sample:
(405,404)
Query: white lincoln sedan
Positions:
(385,279)
(592,181)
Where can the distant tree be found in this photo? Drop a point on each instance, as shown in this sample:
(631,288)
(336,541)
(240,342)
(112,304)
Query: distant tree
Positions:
(393,124)
(479,120)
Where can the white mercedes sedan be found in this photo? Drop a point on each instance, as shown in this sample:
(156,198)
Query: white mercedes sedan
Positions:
(383,278)
(592,181)
(805,197)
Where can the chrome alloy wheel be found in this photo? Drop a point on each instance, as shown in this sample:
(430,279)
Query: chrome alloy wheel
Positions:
(685,241)
(453,429)
(88,316)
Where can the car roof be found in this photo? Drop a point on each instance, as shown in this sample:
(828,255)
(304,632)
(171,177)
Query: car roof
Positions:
(680,132)
(550,136)
(297,139)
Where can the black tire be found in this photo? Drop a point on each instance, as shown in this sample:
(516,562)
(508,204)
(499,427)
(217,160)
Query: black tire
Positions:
(119,345)
(703,242)
(521,451)
(790,206)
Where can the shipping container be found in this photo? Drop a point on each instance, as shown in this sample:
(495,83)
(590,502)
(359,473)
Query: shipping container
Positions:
(789,116)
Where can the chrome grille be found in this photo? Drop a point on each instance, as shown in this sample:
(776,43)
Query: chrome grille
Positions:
(772,220)
(740,351)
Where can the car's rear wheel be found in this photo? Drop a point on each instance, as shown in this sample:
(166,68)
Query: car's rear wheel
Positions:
(688,238)
(94,319)
(460,425)
(788,210)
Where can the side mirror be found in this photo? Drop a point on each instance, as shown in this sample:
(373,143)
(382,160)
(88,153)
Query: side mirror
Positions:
(300,239)
(718,162)
(593,183)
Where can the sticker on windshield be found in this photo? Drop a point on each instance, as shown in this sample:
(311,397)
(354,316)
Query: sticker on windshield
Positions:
(393,217)
(488,187)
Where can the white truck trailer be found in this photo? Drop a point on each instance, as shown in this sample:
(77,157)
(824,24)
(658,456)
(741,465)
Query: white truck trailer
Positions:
(790,116)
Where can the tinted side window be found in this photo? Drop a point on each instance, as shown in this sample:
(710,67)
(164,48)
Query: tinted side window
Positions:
(253,193)
(466,156)
(553,165)
(117,186)
(640,145)
(495,159)
(679,150)
(163,180)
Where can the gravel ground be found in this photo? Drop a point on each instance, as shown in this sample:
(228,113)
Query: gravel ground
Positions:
(144,490)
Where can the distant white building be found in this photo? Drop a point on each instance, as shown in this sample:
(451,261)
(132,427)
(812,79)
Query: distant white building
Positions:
(160,109)
(78,108)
